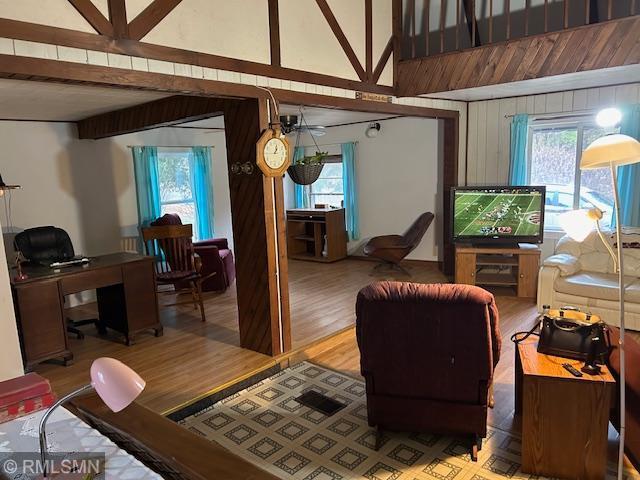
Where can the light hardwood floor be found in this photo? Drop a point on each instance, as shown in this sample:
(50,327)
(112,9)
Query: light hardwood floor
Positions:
(194,358)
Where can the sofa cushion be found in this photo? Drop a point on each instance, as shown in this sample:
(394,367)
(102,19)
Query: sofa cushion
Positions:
(566,263)
(598,285)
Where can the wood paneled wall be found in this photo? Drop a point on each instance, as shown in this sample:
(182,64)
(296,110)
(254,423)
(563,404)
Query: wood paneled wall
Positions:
(489,129)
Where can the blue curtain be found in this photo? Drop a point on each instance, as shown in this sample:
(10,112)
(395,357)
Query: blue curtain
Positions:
(518,163)
(629,175)
(350,190)
(301,199)
(145,164)
(202,182)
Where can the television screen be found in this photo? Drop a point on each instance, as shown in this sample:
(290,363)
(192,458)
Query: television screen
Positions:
(510,214)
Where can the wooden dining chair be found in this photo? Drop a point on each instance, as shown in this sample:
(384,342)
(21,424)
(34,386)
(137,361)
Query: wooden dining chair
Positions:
(176,262)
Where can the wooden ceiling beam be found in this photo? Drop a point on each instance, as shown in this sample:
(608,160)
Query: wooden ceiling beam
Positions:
(118,18)
(342,39)
(150,17)
(71,38)
(384,58)
(91,14)
(368,27)
(274,32)
(158,113)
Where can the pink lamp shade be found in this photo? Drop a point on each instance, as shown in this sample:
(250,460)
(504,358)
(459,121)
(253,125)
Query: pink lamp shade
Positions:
(117,384)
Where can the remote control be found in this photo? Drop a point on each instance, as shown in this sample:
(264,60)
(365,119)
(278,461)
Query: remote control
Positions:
(569,368)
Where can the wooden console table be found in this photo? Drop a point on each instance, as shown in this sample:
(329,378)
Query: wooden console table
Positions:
(310,230)
(564,418)
(517,267)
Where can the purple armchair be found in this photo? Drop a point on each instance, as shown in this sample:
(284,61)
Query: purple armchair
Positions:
(427,353)
(214,254)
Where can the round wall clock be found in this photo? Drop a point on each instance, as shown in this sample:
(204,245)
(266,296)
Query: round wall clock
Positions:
(273,153)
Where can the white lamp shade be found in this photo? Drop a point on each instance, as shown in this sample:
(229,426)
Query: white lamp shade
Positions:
(577,223)
(616,149)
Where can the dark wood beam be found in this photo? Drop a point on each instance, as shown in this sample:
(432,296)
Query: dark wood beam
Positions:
(384,58)
(257,212)
(611,44)
(150,17)
(368,26)
(274,32)
(342,39)
(396,26)
(341,103)
(158,113)
(472,23)
(71,38)
(594,14)
(91,14)
(449,180)
(26,68)
(118,18)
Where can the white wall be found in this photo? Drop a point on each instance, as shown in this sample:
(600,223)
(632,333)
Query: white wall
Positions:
(489,129)
(397,177)
(87,187)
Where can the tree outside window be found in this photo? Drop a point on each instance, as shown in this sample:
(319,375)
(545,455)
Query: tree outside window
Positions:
(555,150)
(175,180)
(329,188)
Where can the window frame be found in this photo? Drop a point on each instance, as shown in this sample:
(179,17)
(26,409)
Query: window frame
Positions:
(191,201)
(579,123)
(310,194)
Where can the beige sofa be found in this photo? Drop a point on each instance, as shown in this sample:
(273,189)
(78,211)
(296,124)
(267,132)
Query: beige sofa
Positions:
(581,274)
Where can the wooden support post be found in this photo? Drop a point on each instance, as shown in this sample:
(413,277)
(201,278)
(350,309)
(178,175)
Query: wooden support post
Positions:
(450,179)
(257,211)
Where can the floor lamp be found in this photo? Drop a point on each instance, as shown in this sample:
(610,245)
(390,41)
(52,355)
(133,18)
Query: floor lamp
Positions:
(610,151)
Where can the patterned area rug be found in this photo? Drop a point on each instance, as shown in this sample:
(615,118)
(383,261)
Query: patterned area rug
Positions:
(265,425)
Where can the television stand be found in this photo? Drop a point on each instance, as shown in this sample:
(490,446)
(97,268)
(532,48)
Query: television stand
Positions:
(503,266)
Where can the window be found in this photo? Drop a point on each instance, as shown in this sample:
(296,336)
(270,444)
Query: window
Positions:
(175,181)
(555,149)
(328,189)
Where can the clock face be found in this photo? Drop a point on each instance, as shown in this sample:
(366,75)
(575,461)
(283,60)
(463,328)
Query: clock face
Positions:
(275,153)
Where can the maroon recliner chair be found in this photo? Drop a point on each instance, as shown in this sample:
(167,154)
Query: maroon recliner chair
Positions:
(427,353)
(632,399)
(214,254)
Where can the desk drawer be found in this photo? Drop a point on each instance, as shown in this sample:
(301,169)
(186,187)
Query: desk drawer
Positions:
(90,280)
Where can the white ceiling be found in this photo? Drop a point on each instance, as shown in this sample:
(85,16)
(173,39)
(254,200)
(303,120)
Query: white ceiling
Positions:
(558,83)
(29,100)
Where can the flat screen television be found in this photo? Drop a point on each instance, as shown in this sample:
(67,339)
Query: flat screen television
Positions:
(497,215)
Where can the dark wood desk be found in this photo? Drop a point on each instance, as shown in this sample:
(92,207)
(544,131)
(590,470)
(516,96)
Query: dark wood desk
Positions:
(127,302)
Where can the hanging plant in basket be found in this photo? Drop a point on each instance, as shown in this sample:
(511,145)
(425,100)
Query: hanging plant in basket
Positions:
(306,170)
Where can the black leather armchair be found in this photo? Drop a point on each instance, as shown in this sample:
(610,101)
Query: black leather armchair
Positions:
(46,245)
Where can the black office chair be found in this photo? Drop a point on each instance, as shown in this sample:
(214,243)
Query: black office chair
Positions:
(45,245)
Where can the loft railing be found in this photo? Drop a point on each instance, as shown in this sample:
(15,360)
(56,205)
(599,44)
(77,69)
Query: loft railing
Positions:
(431,27)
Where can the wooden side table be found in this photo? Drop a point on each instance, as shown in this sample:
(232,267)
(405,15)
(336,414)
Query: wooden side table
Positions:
(564,418)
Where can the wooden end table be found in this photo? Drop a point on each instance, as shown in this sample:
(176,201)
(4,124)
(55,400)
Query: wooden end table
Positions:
(564,418)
